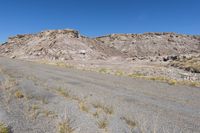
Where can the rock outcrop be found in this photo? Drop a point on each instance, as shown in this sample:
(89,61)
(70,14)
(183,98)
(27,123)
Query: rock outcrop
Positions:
(70,45)
(152,44)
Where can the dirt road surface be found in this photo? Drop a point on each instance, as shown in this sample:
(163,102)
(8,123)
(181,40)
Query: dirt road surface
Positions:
(38,98)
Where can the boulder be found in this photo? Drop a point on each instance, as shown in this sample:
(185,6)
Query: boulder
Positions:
(13,56)
(83,52)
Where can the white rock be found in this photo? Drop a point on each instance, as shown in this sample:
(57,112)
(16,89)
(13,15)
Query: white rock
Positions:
(82,52)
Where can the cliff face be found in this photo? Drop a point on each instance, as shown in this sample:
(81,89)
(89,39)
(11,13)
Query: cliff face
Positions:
(70,45)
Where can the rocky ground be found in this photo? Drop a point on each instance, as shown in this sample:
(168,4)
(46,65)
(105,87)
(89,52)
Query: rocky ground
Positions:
(39,98)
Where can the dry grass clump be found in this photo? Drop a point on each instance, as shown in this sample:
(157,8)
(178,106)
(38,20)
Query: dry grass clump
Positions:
(107,109)
(167,80)
(103,123)
(35,107)
(65,127)
(172,82)
(136,75)
(129,122)
(191,64)
(83,106)
(104,70)
(63,64)
(176,82)
(190,83)
(96,114)
(157,78)
(163,79)
(4,128)
(63,92)
(19,94)
(119,73)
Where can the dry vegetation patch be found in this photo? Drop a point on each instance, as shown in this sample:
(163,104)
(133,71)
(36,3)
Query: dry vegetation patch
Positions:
(4,128)
(191,64)
(103,123)
(83,106)
(19,94)
(104,70)
(66,126)
(96,114)
(131,123)
(65,93)
(106,108)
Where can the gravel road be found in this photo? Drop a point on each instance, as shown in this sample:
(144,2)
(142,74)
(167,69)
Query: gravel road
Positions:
(38,98)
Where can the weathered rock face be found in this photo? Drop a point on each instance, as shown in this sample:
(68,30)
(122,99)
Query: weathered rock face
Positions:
(152,44)
(53,45)
(70,45)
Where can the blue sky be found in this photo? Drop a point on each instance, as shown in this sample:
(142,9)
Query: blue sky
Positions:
(99,17)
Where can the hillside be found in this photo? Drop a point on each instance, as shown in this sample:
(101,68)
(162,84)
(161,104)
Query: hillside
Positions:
(157,56)
(53,45)
(152,44)
(70,45)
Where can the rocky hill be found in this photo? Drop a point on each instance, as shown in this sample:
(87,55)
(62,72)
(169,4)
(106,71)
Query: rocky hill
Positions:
(70,45)
(40,98)
(53,45)
(152,44)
